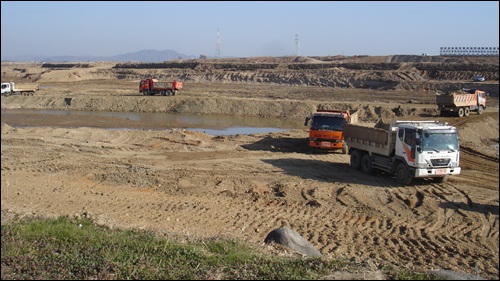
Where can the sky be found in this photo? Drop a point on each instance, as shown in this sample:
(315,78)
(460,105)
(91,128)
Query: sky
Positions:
(245,28)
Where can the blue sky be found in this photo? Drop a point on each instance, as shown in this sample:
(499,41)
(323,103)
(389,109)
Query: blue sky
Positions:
(246,28)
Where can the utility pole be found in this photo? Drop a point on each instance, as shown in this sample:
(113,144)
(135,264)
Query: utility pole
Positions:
(217,45)
(297,45)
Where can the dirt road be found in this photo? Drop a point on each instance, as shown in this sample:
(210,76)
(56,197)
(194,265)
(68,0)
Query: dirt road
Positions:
(190,184)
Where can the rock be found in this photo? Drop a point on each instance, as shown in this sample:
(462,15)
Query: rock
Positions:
(454,275)
(293,240)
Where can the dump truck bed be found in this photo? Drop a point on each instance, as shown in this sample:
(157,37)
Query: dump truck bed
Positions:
(375,140)
(168,85)
(456,99)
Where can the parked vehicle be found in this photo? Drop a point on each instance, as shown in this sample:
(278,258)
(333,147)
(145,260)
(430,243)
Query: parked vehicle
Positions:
(461,103)
(10,88)
(408,149)
(151,87)
(478,78)
(325,131)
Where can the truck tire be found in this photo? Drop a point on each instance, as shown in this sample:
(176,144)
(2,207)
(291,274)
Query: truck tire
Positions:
(163,93)
(403,174)
(466,111)
(356,159)
(460,112)
(366,164)
(170,93)
(480,109)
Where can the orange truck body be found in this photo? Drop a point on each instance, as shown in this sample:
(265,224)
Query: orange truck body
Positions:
(325,130)
(151,87)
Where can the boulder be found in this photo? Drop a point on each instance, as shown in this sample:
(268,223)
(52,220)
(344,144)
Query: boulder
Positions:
(293,240)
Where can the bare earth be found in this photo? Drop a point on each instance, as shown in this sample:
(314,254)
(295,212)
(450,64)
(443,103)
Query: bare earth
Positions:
(189,184)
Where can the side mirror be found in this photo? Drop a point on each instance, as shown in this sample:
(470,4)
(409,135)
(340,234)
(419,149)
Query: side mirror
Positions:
(307,121)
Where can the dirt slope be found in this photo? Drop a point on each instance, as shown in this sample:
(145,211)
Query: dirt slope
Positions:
(189,184)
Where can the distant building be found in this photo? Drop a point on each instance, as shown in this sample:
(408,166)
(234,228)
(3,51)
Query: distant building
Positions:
(468,51)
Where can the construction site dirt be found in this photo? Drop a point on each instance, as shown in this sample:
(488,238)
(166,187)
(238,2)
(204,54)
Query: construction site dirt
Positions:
(182,183)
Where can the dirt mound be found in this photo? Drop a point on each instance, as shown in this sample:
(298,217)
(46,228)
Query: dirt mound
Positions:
(428,73)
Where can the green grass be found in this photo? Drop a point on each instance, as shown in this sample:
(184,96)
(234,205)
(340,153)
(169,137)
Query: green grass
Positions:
(77,249)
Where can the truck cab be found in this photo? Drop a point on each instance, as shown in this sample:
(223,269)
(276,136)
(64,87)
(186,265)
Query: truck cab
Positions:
(325,131)
(428,149)
(7,88)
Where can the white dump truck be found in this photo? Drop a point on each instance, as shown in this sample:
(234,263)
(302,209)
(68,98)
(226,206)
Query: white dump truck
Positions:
(10,88)
(408,149)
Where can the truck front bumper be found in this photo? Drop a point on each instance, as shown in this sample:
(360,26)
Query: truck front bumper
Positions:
(327,144)
(441,172)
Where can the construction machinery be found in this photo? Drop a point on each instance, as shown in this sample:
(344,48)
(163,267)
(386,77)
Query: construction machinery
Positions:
(462,102)
(151,87)
(10,88)
(408,149)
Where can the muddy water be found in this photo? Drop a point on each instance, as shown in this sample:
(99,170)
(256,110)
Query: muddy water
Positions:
(210,124)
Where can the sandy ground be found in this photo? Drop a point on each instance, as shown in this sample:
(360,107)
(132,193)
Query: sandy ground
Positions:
(190,184)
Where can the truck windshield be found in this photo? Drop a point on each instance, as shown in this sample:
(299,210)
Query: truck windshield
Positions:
(439,141)
(332,123)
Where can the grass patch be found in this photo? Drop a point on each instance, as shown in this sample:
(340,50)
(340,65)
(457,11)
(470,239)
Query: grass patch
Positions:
(77,249)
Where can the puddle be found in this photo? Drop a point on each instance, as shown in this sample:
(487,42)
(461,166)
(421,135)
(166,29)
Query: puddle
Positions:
(210,124)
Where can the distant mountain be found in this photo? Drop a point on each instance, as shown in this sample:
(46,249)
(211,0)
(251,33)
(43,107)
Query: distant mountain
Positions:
(140,56)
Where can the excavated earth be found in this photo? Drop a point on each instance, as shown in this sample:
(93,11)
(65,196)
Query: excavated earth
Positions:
(192,185)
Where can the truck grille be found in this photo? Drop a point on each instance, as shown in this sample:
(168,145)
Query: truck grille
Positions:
(441,162)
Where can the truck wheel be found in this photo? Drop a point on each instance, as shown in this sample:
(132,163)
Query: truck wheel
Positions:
(163,93)
(460,112)
(403,175)
(356,159)
(480,109)
(466,111)
(366,164)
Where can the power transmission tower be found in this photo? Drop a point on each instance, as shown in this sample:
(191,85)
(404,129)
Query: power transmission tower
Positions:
(297,45)
(217,45)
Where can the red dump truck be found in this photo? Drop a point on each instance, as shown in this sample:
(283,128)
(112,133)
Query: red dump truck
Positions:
(151,87)
(462,102)
(325,131)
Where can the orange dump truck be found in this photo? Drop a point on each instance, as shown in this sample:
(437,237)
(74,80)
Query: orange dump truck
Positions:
(325,131)
(151,87)
(462,102)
